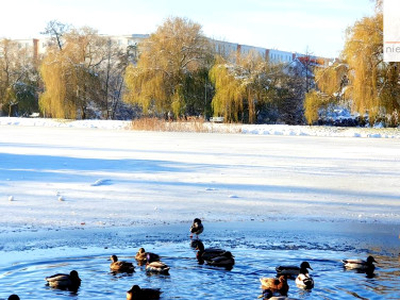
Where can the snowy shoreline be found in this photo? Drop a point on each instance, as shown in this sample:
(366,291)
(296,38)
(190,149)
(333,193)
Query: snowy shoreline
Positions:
(263,129)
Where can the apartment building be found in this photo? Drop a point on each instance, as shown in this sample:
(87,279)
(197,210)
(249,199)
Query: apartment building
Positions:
(223,48)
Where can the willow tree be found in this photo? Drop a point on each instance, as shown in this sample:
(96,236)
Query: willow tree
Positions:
(241,84)
(70,74)
(363,53)
(178,50)
(372,85)
(331,85)
(229,92)
(53,102)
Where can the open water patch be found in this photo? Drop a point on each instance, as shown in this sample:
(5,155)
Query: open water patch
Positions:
(258,248)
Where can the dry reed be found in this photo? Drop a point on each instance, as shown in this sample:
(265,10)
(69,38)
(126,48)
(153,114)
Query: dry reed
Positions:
(189,125)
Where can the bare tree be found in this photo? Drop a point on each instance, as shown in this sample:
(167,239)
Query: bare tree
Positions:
(56,30)
(18,79)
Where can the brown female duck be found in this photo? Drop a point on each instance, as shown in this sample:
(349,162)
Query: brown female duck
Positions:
(120,266)
(275,285)
(142,257)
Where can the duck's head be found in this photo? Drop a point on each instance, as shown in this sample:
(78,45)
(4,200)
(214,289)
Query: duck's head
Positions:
(134,289)
(113,258)
(371,260)
(133,293)
(197,220)
(228,254)
(74,274)
(13,297)
(200,246)
(194,243)
(75,278)
(305,265)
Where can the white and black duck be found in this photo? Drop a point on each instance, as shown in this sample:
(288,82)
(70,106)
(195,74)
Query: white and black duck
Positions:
(304,279)
(292,271)
(360,265)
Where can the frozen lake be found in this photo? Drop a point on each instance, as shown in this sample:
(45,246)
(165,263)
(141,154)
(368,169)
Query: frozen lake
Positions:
(120,178)
(67,193)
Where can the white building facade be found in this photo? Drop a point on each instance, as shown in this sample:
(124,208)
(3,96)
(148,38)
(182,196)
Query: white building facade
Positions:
(223,48)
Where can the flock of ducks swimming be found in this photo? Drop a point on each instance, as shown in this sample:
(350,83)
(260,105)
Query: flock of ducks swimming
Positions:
(279,286)
(272,288)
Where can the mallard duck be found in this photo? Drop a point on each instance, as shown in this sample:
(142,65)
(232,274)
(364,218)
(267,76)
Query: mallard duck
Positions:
(292,271)
(64,281)
(274,285)
(142,256)
(196,228)
(120,266)
(304,280)
(360,265)
(157,267)
(137,293)
(214,256)
(13,297)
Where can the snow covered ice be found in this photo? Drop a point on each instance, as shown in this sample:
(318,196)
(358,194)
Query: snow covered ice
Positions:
(64,174)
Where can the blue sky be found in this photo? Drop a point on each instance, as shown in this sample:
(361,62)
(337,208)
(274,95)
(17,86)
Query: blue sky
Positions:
(317,26)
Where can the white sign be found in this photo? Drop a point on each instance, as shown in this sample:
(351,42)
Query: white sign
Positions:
(391,30)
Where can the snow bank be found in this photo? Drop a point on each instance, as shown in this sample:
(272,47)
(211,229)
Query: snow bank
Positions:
(62,123)
(286,130)
(326,131)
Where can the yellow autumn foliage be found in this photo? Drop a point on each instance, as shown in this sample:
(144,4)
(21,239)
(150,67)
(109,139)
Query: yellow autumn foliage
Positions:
(177,50)
(368,84)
